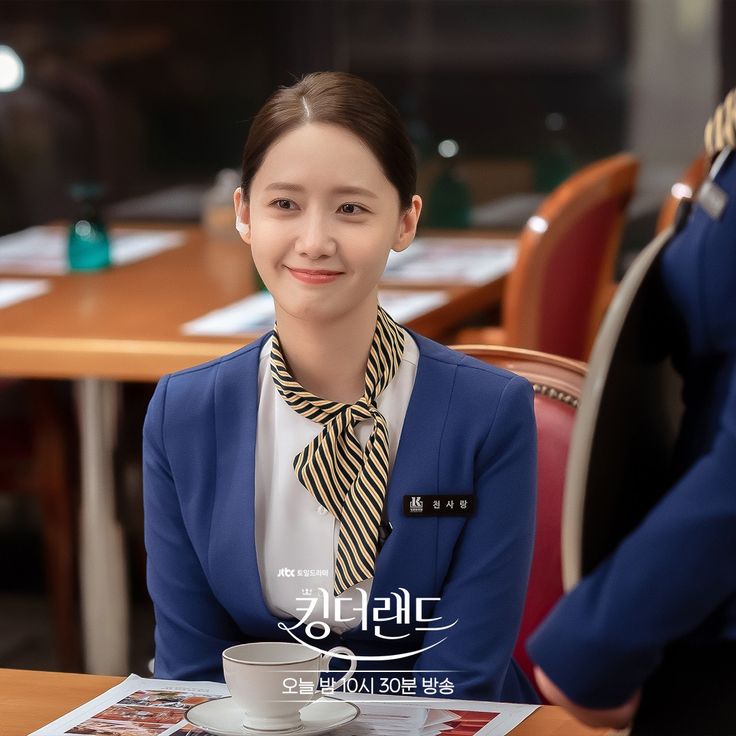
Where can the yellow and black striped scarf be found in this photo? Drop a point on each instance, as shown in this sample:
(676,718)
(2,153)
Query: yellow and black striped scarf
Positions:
(348,481)
(721,128)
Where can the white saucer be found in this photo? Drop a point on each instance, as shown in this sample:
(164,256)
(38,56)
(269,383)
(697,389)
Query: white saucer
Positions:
(223,718)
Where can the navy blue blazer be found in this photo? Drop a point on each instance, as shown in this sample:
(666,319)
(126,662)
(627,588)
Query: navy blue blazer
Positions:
(469,428)
(673,579)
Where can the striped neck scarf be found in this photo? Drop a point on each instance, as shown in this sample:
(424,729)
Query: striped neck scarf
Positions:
(348,481)
(721,128)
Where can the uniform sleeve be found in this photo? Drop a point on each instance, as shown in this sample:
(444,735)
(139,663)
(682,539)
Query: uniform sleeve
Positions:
(486,584)
(192,628)
(603,640)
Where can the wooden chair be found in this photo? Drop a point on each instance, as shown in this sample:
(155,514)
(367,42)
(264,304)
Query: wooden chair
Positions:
(558,384)
(36,442)
(684,188)
(558,291)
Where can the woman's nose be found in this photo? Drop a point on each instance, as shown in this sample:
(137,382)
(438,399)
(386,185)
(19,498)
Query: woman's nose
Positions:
(315,239)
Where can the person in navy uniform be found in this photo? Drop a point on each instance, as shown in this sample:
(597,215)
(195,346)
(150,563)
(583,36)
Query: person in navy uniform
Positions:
(650,634)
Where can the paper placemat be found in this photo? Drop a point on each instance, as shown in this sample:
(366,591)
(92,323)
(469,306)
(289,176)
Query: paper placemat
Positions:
(13,291)
(452,261)
(256,312)
(40,250)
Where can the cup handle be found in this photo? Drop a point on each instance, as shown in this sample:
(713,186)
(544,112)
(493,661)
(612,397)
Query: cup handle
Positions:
(325,665)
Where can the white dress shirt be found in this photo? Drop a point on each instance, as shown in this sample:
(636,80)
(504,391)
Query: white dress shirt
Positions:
(296,537)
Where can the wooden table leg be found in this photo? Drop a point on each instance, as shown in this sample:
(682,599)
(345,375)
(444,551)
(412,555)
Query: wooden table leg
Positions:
(103,582)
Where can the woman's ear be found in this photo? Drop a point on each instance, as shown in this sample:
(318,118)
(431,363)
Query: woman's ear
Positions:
(242,215)
(408,224)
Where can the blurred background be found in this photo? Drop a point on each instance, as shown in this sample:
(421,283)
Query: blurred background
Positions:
(152,99)
(504,99)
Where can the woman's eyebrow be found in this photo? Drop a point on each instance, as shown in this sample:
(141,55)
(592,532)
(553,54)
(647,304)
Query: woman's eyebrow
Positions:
(281,185)
(359,191)
(286,186)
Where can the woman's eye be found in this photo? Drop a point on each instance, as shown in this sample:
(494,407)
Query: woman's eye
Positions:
(283,204)
(351,209)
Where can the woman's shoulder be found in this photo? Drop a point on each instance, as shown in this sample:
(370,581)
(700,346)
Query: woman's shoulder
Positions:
(195,386)
(235,361)
(469,370)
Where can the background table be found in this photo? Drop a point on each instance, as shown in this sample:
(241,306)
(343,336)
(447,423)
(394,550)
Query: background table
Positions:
(29,700)
(124,324)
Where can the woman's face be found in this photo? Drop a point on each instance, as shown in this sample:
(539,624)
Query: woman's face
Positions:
(323,218)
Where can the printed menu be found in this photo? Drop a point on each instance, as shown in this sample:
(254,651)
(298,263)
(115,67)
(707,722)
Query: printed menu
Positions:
(152,707)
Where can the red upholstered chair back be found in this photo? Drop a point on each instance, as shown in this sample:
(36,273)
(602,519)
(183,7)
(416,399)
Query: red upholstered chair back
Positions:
(558,290)
(558,383)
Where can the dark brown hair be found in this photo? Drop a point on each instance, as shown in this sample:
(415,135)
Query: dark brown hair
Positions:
(340,99)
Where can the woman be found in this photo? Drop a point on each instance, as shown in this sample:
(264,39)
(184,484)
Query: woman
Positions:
(277,491)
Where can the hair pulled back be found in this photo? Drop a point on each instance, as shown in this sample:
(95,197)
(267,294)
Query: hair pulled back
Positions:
(337,98)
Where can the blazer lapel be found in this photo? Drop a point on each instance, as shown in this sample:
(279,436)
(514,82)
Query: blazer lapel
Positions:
(234,569)
(409,554)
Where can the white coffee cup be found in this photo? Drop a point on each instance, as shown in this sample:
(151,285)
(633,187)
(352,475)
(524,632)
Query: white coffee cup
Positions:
(256,675)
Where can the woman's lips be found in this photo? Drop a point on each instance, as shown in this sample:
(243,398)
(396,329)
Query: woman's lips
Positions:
(308,276)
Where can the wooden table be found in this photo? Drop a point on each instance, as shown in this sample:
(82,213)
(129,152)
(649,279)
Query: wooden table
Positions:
(29,700)
(124,324)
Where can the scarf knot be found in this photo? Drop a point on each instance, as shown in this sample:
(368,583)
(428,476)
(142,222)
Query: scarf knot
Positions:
(349,481)
(361,410)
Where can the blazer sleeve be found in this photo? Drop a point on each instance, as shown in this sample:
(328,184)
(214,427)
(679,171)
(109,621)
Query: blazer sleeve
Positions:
(604,639)
(192,628)
(486,583)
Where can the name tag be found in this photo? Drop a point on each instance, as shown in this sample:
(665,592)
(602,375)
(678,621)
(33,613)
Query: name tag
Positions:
(712,199)
(444,505)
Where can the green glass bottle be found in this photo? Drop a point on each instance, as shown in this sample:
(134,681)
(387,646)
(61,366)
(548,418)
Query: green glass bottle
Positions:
(89,245)
(449,202)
